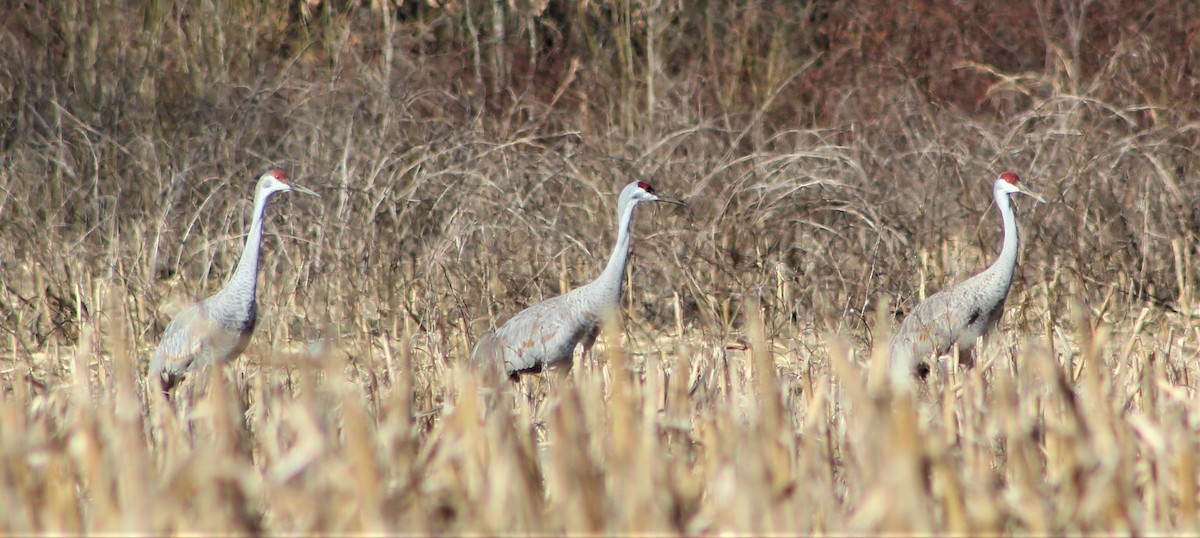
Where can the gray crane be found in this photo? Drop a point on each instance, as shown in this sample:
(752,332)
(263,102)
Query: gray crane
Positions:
(546,333)
(218,328)
(966,311)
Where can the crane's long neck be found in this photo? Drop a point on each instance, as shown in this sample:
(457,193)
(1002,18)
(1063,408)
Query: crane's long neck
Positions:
(1006,262)
(614,273)
(244,281)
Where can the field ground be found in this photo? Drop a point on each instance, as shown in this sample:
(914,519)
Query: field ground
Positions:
(836,160)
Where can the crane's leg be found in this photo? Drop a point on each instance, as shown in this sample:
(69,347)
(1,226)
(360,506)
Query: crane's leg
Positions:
(588,341)
(561,370)
(165,383)
(966,357)
(523,395)
(921,370)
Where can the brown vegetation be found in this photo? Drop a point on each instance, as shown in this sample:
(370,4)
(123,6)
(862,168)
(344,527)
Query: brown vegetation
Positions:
(834,155)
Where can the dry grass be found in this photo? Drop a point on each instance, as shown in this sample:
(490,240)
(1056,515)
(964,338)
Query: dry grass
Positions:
(836,160)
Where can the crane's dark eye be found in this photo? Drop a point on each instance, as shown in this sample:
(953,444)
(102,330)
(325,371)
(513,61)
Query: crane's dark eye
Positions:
(646,187)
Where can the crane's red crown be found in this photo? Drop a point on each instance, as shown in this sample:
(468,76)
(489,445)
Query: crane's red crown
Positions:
(646,187)
(1010,177)
(279,176)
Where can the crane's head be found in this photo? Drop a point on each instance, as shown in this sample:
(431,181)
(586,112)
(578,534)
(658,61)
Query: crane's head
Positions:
(640,191)
(277,181)
(1010,183)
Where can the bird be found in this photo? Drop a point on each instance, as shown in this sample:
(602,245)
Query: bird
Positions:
(966,311)
(547,333)
(217,329)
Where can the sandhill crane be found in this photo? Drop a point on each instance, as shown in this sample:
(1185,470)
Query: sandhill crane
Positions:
(218,328)
(546,334)
(961,313)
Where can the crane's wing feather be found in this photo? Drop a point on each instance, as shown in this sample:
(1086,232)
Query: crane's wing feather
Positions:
(954,315)
(181,343)
(930,328)
(192,340)
(487,354)
(538,336)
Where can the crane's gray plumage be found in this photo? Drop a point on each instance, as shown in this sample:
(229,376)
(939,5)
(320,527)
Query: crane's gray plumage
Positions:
(218,328)
(966,311)
(546,334)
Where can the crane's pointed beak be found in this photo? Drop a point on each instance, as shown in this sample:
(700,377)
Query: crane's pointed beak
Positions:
(1024,190)
(298,188)
(669,200)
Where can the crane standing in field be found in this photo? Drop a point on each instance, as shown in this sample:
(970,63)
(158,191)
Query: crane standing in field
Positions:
(218,328)
(964,312)
(546,334)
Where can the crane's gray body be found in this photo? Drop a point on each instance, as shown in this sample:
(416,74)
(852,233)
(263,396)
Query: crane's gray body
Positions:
(218,329)
(961,314)
(957,315)
(547,333)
